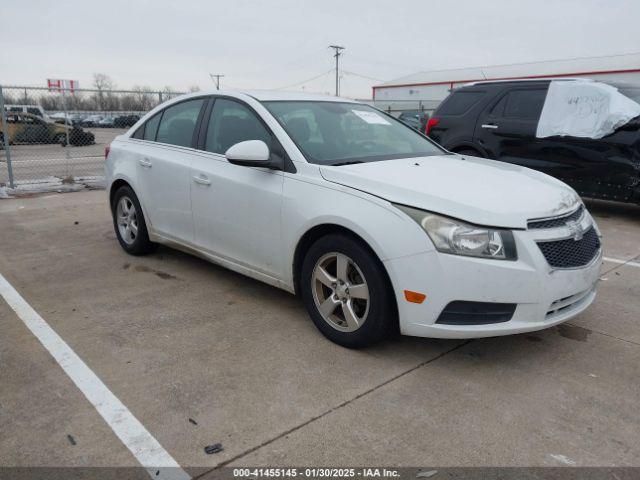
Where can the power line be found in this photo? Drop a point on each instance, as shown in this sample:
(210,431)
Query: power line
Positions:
(299,60)
(362,76)
(305,81)
(338,49)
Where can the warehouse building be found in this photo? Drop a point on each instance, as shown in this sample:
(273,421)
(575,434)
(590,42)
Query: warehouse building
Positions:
(425,90)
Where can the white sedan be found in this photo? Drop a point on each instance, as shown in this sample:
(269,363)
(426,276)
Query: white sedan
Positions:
(376,227)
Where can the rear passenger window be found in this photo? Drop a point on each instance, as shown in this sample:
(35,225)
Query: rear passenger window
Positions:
(178,123)
(525,104)
(230,123)
(151,127)
(459,102)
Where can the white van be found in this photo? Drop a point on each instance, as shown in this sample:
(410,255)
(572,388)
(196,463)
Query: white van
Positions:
(32,109)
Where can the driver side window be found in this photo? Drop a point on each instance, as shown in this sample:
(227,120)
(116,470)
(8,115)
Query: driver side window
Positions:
(231,122)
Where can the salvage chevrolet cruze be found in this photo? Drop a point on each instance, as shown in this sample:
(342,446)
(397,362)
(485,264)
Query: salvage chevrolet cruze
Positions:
(376,227)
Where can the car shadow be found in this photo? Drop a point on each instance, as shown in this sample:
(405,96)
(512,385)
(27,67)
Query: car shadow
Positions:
(482,352)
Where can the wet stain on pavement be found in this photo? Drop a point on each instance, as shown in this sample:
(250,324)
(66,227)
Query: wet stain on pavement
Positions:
(158,273)
(164,275)
(573,332)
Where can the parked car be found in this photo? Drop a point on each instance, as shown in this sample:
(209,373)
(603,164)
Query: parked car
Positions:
(415,119)
(29,128)
(106,122)
(68,118)
(26,128)
(126,121)
(375,226)
(91,120)
(498,120)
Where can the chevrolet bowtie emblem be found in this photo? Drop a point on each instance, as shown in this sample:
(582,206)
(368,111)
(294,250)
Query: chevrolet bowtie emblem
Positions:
(575,230)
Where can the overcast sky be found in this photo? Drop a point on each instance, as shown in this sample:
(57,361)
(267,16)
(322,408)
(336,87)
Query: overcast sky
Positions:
(283,43)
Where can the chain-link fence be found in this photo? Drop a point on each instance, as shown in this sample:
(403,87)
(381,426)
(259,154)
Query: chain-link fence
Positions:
(53,136)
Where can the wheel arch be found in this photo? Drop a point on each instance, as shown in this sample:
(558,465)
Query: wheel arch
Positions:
(115,185)
(321,230)
(469,146)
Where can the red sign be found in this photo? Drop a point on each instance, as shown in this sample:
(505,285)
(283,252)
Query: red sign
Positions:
(57,85)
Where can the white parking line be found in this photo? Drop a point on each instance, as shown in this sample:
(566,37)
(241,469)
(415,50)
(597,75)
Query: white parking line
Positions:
(621,262)
(129,430)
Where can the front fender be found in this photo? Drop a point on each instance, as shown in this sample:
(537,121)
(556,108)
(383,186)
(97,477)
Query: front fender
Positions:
(388,231)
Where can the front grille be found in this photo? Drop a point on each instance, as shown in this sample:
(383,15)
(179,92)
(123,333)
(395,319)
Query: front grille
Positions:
(572,253)
(557,221)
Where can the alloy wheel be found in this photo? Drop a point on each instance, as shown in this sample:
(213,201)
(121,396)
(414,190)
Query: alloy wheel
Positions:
(127,219)
(340,292)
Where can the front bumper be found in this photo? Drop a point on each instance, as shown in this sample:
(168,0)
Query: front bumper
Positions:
(544,296)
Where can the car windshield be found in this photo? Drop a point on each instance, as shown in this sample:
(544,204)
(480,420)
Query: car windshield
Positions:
(334,133)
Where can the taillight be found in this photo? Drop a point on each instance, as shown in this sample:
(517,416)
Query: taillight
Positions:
(431,123)
(107,149)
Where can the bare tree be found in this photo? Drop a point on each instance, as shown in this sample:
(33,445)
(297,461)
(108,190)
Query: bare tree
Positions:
(102,82)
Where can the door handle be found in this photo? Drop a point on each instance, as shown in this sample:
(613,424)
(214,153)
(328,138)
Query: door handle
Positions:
(202,180)
(145,163)
(489,125)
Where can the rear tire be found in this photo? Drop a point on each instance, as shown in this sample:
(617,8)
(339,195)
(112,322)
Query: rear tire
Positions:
(347,292)
(129,223)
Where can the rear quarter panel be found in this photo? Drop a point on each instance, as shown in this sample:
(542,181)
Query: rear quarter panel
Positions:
(120,165)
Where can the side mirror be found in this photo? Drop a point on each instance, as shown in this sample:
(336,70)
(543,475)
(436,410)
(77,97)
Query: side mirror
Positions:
(250,153)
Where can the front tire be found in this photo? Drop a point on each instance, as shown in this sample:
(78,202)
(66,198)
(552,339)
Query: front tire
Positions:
(347,292)
(129,223)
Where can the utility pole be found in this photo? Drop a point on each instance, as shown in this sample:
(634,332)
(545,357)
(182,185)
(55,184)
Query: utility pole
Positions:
(216,79)
(338,50)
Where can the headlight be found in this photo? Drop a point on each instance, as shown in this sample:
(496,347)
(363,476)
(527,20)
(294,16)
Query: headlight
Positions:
(459,238)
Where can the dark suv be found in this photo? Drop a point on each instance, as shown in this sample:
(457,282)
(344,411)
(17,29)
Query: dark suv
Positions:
(499,119)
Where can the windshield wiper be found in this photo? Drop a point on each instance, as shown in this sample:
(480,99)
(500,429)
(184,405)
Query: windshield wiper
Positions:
(352,162)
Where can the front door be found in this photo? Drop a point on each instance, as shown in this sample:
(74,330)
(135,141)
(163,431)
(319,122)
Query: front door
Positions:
(237,209)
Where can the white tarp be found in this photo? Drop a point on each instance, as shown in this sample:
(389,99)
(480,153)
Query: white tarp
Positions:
(581,108)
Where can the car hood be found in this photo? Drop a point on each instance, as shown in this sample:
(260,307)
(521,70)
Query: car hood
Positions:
(476,190)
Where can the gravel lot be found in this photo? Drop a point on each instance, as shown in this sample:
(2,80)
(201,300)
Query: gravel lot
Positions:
(175,338)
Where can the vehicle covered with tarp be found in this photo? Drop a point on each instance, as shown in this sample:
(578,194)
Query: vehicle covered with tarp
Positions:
(583,132)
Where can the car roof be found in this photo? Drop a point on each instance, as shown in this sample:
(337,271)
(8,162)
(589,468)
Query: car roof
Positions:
(271,95)
(24,114)
(526,80)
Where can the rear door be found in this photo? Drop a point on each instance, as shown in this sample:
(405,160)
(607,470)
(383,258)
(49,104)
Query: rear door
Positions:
(506,128)
(34,130)
(164,165)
